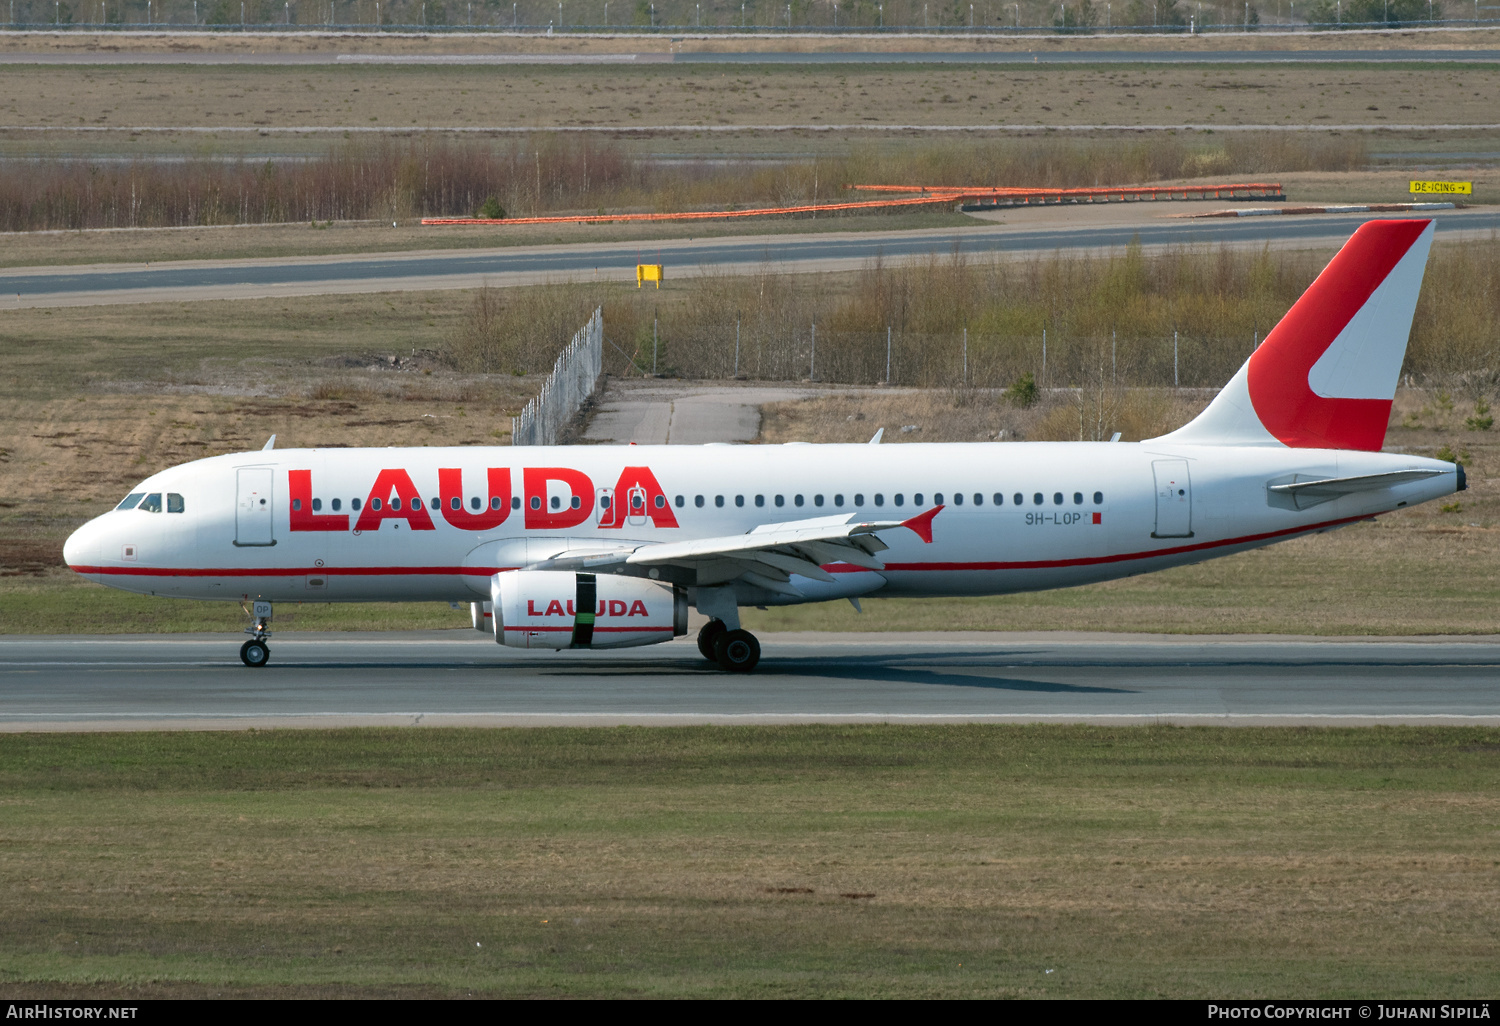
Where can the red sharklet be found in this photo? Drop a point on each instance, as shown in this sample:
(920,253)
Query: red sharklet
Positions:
(922,523)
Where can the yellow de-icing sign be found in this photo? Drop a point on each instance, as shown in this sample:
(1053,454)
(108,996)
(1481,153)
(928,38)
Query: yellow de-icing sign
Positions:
(1460,188)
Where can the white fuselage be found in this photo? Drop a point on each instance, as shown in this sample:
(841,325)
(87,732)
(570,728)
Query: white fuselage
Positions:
(1086,512)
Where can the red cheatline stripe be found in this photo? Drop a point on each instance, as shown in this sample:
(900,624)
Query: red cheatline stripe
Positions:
(306,571)
(1035,564)
(597,629)
(1048,564)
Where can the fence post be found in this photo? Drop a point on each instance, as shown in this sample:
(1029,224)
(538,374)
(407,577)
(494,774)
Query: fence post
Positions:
(812,369)
(736,347)
(966,355)
(1174,359)
(653,347)
(887,354)
(1044,357)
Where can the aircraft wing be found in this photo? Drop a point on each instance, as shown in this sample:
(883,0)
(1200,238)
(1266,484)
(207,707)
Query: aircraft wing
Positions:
(770,554)
(767,556)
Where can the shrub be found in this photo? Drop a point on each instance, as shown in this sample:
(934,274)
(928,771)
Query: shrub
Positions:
(491,210)
(1024,392)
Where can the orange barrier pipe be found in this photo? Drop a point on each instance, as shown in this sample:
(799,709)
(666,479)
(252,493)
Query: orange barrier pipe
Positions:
(1013,192)
(933,195)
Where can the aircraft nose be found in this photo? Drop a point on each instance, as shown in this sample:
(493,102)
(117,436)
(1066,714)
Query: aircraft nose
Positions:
(81,550)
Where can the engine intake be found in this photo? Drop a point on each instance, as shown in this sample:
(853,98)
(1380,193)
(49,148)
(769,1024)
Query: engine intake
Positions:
(557,609)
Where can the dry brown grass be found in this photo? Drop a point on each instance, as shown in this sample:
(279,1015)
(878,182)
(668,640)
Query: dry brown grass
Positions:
(652,95)
(756,861)
(564,43)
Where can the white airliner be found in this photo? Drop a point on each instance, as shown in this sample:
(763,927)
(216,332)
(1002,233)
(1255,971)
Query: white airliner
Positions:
(607,546)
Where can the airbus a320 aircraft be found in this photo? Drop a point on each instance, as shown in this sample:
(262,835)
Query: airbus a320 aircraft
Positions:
(607,547)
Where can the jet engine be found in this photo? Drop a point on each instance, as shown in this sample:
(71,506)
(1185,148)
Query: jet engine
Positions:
(558,609)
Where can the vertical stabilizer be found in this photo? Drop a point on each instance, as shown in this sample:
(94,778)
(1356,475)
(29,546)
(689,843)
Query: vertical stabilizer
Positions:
(1325,376)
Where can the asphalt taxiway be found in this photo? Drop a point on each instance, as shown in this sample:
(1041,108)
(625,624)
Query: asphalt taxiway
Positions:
(463,678)
(182,281)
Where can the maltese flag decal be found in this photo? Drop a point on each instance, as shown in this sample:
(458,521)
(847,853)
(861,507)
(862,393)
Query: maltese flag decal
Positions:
(1326,374)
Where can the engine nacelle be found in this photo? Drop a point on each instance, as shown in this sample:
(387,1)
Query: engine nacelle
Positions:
(560,609)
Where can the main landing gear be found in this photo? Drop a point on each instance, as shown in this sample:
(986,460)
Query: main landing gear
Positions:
(734,650)
(256,652)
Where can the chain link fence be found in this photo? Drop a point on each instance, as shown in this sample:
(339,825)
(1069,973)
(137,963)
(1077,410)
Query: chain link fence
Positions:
(574,378)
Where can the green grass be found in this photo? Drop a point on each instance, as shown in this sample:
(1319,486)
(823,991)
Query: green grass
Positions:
(720,862)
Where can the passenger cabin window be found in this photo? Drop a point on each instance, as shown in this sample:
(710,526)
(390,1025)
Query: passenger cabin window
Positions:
(354,505)
(1036,500)
(374,503)
(760,500)
(978,499)
(937,498)
(859,499)
(958,498)
(175,504)
(131,501)
(515,502)
(1017,498)
(151,503)
(916,500)
(1098,498)
(317,505)
(999,499)
(739,500)
(336,503)
(817,500)
(496,502)
(1057,499)
(879,499)
(900,499)
(781,500)
(1078,498)
(719,501)
(796,500)
(838,500)
(296,505)
(436,503)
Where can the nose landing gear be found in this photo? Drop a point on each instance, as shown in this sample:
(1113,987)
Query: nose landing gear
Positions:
(256,652)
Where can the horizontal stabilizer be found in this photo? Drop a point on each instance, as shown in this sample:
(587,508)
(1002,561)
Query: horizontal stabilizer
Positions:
(1305,494)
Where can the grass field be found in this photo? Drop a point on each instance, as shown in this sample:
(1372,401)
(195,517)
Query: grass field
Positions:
(808,861)
(398,98)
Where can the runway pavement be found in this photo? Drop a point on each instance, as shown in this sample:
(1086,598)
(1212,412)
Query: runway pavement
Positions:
(522,265)
(463,678)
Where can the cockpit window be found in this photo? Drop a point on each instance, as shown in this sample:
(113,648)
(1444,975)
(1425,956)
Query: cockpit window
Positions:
(151,503)
(129,502)
(175,505)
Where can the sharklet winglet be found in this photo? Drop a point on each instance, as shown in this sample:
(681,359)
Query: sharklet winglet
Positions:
(922,523)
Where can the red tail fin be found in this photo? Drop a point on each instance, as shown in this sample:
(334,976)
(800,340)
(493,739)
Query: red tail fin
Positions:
(1326,374)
